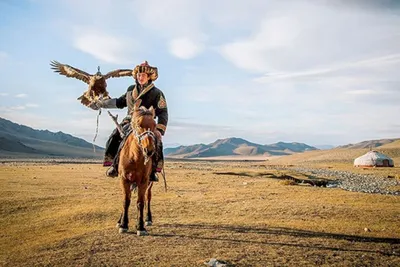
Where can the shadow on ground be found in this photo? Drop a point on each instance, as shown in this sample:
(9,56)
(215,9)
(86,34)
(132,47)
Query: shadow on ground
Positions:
(281,232)
(311,180)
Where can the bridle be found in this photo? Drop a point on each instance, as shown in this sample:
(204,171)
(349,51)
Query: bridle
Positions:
(140,137)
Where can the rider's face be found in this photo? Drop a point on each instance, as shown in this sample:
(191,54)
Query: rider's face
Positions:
(142,78)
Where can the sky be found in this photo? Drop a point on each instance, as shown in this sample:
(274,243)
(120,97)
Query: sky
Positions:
(312,71)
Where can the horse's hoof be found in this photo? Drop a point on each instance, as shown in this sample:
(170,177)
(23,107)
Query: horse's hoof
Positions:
(123,230)
(148,223)
(142,233)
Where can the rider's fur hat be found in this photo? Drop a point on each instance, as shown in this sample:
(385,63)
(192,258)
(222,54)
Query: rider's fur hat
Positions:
(146,68)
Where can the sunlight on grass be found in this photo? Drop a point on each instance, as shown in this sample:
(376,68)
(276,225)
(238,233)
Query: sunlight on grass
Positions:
(53,210)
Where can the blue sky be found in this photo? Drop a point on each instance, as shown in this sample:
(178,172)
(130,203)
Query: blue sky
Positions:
(317,72)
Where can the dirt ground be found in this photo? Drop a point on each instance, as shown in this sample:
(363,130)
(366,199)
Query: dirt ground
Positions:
(65,215)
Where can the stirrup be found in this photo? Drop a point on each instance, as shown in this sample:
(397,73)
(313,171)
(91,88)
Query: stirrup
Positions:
(153,177)
(112,172)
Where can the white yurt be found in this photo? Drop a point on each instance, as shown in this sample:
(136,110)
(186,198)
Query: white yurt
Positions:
(373,159)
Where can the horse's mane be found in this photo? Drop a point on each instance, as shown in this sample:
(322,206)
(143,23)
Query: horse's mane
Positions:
(142,111)
(138,115)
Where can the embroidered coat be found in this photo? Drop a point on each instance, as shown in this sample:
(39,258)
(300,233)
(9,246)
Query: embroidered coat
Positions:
(147,97)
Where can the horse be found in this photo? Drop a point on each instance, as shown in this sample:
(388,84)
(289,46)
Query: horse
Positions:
(135,166)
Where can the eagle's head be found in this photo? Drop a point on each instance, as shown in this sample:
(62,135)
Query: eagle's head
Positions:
(98,73)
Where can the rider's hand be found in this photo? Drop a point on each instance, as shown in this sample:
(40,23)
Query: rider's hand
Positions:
(107,103)
(95,105)
(158,134)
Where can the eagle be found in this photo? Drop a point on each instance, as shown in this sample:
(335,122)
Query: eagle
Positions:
(97,88)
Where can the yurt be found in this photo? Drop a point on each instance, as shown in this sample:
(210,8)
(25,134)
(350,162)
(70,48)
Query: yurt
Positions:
(373,159)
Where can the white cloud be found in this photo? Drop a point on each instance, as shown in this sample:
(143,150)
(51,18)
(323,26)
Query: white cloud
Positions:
(363,92)
(305,36)
(21,95)
(31,105)
(106,47)
(185,48)
(176,22)
(180,22)
(174,18)
(7,109)
(372,63)
(17,107)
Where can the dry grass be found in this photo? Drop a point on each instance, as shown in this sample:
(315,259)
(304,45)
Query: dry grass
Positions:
(64,215)
(342,159)
(338,155)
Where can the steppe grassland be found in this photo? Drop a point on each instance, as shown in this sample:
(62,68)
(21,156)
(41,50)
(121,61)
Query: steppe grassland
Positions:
(65,214)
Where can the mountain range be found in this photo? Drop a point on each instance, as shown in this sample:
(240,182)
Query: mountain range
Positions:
(22,141)
(236,146)
(19,141)
(370,143)
(240,147)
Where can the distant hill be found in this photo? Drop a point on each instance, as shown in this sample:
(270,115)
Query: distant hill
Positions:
(13,145)
(370,143)
(22,141)
(236,146)
(344,154)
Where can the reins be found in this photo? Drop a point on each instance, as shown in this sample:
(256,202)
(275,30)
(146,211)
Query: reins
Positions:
(97,131)
(139,138)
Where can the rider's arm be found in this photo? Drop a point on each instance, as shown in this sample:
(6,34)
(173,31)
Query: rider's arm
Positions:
(161,113)
(121,101)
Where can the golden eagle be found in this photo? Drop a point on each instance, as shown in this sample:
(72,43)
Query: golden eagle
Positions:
(97,82)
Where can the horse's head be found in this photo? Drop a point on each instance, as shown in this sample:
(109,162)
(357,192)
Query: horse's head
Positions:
(143,125)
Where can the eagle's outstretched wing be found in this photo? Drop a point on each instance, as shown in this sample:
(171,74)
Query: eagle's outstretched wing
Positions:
(69,71)
(118,73)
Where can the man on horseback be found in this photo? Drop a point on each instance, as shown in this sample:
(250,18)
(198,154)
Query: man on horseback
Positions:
(142,93)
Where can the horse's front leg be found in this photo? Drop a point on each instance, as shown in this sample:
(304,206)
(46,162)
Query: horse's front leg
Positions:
(140,206)
(149,218)
(123,220)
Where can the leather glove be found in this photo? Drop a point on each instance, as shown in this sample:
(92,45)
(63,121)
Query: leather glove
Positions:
(109,103)
(95,105)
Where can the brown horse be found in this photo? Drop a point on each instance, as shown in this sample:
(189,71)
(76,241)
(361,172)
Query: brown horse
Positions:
(135,165)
